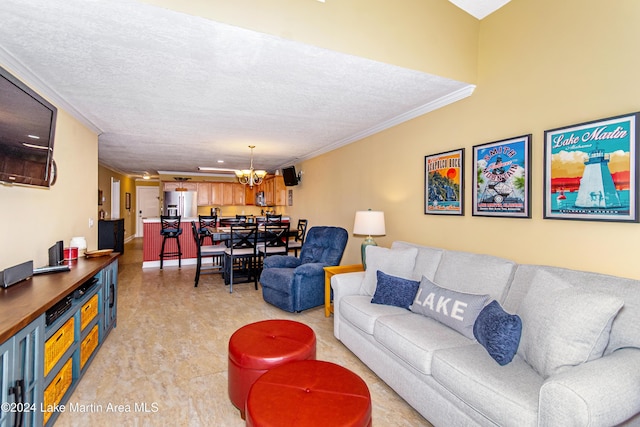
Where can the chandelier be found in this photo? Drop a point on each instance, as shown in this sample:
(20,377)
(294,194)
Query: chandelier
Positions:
(250,176)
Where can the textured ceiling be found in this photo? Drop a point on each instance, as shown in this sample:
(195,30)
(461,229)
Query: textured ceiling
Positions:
(170,92)
(480,8)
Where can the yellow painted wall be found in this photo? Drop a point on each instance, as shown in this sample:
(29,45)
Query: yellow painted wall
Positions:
(542,64)
(433,36)
(127,185)
(35,218)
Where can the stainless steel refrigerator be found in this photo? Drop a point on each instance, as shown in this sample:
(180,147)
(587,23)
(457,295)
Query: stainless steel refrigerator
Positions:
(183,203)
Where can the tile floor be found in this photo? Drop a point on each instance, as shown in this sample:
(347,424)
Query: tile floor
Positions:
(168,353)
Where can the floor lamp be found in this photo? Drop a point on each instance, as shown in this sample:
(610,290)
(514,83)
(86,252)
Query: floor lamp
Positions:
(368,223)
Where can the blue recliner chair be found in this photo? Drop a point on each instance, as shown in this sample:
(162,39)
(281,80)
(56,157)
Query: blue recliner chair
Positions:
(296,284)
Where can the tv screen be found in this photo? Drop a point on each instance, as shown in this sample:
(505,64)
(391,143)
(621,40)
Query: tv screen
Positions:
(27,127)
(289,175)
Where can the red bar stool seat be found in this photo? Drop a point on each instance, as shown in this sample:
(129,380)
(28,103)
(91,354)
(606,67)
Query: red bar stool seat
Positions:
(309,393)
(258,347)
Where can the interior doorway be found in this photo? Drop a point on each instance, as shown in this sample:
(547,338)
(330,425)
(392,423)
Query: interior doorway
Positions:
(115,198)
(147,206)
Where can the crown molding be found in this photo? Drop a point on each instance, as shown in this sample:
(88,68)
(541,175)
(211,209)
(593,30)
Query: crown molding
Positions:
(32,80)
(450,98)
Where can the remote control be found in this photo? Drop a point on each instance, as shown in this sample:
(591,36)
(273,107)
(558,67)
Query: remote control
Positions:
(50,269)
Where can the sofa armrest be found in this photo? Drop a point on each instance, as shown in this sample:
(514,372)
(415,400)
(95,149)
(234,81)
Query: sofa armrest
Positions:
(311,269)
(343,285)
(281,261)
(602,392)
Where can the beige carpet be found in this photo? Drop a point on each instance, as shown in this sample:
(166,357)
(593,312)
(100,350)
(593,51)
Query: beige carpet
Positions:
(168,353)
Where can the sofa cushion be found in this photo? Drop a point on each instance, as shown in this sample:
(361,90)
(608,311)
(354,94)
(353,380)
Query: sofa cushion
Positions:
(458,310)
(427,259)
(414,338)
(392,290)
(625,330)
(563,326)
(498,332)
(475,273)
(396,262)
(358,310)
(505,395)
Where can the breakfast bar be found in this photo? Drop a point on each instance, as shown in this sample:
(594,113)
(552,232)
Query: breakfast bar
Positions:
(152,243)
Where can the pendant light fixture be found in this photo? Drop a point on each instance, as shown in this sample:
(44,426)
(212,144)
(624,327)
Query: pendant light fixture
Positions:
(250,176)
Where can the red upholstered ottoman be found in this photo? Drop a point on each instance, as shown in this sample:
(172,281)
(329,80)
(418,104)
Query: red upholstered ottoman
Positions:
(309,393)
(258,347)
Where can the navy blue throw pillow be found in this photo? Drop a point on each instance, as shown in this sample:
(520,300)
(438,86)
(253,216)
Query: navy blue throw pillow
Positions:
(392,290)
(498,332)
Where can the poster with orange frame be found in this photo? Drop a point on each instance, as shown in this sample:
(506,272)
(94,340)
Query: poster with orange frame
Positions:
(444,183)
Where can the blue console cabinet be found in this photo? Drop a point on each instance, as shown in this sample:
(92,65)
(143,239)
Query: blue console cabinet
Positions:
(41,364)
(21,360)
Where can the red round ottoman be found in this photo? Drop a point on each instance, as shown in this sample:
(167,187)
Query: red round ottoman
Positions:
(309,393)
(258,347)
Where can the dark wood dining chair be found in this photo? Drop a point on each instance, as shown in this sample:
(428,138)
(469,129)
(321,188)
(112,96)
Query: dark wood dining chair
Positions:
(274,239)
(296,243)
(206,222)
(216,252)
(241,255)
(228,222)
(273,218)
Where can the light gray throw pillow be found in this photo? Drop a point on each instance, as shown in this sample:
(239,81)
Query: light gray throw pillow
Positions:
(457,310)
(563,326)
(394,262)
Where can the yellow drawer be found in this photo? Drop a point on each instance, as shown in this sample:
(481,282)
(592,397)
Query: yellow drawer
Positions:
(89,311)
(55,391)
(88,345)
(55,346)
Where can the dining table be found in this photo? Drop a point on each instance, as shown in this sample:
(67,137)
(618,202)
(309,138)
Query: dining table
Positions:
(223,234)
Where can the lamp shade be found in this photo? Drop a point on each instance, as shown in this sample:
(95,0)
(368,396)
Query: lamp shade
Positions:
(369,223)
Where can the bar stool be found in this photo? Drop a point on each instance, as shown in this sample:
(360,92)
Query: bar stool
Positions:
(170,229)
(206,222)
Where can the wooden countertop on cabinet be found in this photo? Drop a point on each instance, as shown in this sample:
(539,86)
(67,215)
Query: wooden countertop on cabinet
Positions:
(23,302)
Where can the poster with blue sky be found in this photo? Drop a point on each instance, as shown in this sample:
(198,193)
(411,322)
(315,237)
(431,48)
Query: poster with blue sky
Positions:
(590,170)
(444,179)
(502,178)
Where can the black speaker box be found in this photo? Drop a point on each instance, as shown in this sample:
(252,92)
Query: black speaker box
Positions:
(56,253)
(15,274)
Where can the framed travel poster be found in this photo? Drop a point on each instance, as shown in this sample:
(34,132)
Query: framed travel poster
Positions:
(444,179)
(590,170)
(501,178)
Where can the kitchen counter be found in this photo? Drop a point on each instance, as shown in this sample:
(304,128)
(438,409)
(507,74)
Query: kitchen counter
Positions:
(152,242)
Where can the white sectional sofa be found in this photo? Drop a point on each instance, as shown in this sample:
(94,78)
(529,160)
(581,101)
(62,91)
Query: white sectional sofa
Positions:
(578,353)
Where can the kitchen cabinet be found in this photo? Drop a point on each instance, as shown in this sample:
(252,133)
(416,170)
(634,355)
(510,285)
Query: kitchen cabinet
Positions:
(216,193)
(250,194)
(210,193)
(275,192)
(227,193)
(171,186)
(238,194)
(204,193)
(232,194)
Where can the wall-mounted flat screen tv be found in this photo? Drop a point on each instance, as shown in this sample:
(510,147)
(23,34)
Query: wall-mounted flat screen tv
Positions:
(289,175)
(27,128)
